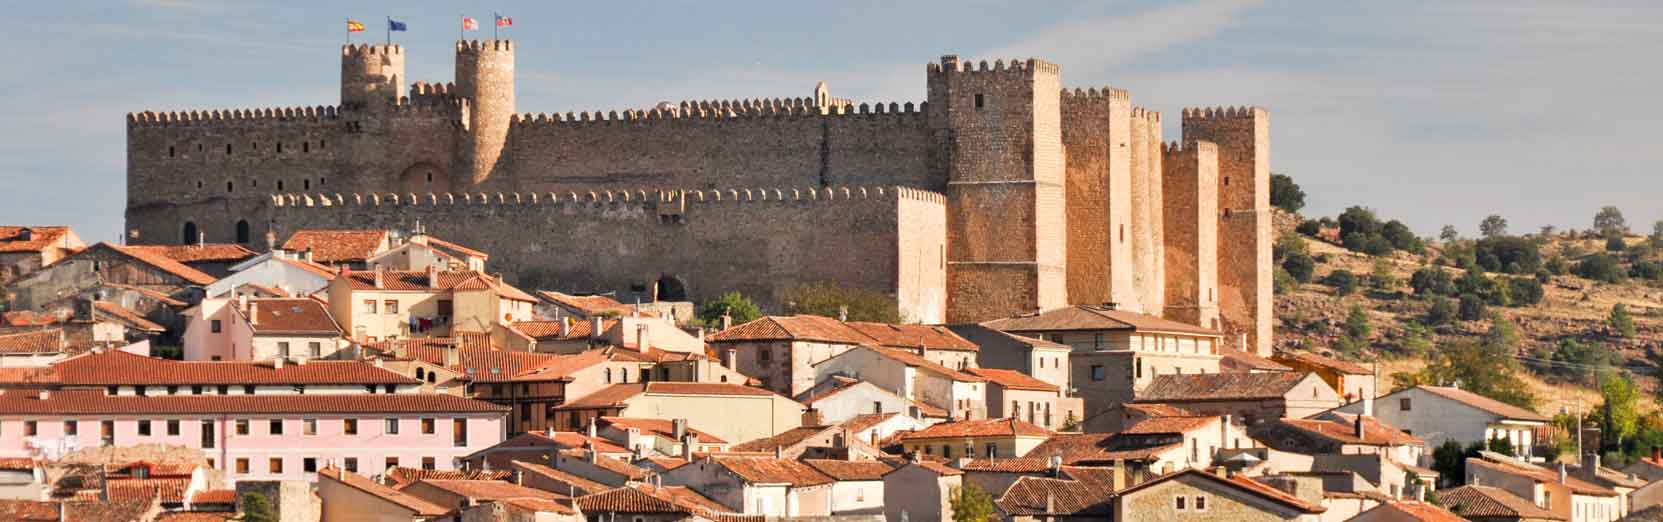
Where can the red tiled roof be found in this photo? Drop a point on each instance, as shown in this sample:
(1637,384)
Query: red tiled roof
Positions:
(30,318)
(128,317)
(27,375)
(579,486)
(705,388)
(588,304)
(411,502)
(627,500)
(197,516)
(79,402)
(337,246)
(28,511)
(850,469)
(40,341)
(1239,360)
(792,328)
(487,490)
(1075,448)
(1342,429)
(40,238)
(563,366)
(17,463)
(171,490)
(608,397)
(546,330)
(540,505)
(161,262)
(1488,501)
(782,439)
(915,361)
(1319,361)
(401,475)
(117,367)
(449,247)
(932,466)
(1006,427)
(293,316)
(158,296)
(913,336)
(1157,425)
(616,466)
(195,253)
(314,268)
(1415,511)
(431,350)
(1088,317)
(106,510)
(1051,496)
(1481,402)
(215,496)
(1238,482)
(658,427)
(1012,379)
(1156,409)
(416,280)
(1219,386)
(1540,474)
(1011,465)
(860,423)
(504,366)
(773,471)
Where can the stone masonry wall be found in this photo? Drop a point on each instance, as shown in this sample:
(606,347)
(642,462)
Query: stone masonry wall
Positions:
(1244,251)
(1190,190)
(770,240)
(1096,136)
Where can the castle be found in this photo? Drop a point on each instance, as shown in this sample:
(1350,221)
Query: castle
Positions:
(1002,194)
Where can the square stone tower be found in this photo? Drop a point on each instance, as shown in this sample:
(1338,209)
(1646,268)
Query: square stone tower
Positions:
(1244,228)
(1190,183)
(998,136)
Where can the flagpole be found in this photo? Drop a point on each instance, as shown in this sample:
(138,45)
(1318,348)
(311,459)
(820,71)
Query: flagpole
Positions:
(494,26)
(389,31)
(349,31)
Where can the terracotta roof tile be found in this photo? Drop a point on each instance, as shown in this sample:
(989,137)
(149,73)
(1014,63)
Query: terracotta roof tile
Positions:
(1489,501)
(1540,474)
(75,402)
(116,367)
(627,500)
(588,304)
(792,327)
(28,511)
(1481,402)
(161,262)
(337,246)
(616,466)
(1343,430)
(40,341)
(579,486)
(1414,511)
(1320,361)
(417,281)
(1077,448)
(1012,379)
(916,361)
(158,296)
(1088,317)
(293,316)
(1219,386)
(416,504)
(1167,425)
(171,490)
(658,427)
(1005,427)
(128,317)
(934,467)
(401,475)
(488,490)
(18,318)
(197,253)
(1050,496)
(704,388)
(197,516)
(784,439)
(1009,465)
(40,238)
(773,471)
(1239,360)
(215,496)
(861,423)
(106,511)
(610,396)
(913,336)
(849,469)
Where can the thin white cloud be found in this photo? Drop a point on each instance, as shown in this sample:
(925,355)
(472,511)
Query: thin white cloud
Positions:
(1096,43)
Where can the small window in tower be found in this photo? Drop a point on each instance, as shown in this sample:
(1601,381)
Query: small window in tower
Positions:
(229,187)
(279,147)
(430,177)
(323,144)
(1227,181)
(228,149)
(253,145)
(306,184)
(306,146)
(254,182)
(979,101)
(323,181)
(279,184)
(1122,232)
(170,151)
(199,184)
(199,147)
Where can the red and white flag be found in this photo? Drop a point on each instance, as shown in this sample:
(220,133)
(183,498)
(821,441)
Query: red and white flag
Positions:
(469,24)
(503,21)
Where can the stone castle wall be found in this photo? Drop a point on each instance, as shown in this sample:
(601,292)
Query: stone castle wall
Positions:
(1190,187)
(888,240)
(1097,137)
(1244,249)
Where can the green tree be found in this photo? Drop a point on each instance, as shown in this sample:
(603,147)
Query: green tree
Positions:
(1285,194)
(1432,280)
(1578,360)
(1402,238)
(1300,266)
(1609,222)
(1601,267)
(970,503)
(1657,234)
(1415,341)
(1071,422)
(1622,322)
(1525,291)
(1357,331)
(1493,226)
(738,308)
(1557,266)
(1284,282)
(1620,413)
(831,301)
(1440,311)
(1343,281)
(256,508)
(1486,368)
(1471,308)
(1384,276)
(1448,233)
(1615,244)
(1501,445)
(1450,461)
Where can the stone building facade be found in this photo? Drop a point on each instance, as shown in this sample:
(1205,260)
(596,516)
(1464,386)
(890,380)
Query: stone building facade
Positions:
(1026,195)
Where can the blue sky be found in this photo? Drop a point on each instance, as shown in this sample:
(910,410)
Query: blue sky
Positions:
(1435,113)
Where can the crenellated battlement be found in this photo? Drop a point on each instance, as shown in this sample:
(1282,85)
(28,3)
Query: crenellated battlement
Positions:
(432,89)
(724,110)
(594,197)
(248,117)
(484,46)
(950,64)
(1179,148)
(1107,93)
(1222,113)
(371,50)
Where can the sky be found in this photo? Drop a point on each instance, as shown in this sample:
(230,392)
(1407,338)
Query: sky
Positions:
(1430,112)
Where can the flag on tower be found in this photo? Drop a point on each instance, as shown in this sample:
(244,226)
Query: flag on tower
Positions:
(354,26)
(503,21)
(395,25)
(469,24)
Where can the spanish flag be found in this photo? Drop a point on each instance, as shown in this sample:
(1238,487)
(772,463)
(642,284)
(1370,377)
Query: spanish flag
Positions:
(354,26)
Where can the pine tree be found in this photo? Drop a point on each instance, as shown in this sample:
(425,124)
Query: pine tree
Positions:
(1622,322)
(256,508)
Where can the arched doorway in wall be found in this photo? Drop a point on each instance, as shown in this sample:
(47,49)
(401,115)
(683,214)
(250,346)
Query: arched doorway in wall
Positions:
(242,232)
(423,178)
(669,287)
(190,235)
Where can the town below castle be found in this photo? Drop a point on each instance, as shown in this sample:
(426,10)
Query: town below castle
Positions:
(1015,300)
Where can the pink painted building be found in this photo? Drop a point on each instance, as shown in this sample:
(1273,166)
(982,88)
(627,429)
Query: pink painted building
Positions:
(258,437)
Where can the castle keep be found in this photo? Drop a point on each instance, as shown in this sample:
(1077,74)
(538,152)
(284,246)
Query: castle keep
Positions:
(1002,194)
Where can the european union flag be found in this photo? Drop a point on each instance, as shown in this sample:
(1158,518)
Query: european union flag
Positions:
(395,25)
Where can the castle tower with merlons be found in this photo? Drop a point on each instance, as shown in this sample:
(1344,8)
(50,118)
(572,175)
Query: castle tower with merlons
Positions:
(1002,193)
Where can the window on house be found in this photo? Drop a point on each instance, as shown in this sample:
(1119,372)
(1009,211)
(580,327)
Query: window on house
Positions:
(429,463)
(389,307)
(1097,341)
(1201,502)
(196,389)
(173,427)
(877,406)
(1178,502)
(764,355)
(275,465)
(248,389)
(224,389)
(29,428)
(314,350)
(242,426)
(369,306)
(208,438)
(214,326)
(172,390)
(427,426)
(1097,372)
(72,428)
(309,465)
(309,427)
(392,426)
(1403,404)
(459,432)
(144,428)
(242,466)
(391,462)
(446,307)
(283,349)
(351,464)
(947,450)
(275,426)
(992,450)
(349,426)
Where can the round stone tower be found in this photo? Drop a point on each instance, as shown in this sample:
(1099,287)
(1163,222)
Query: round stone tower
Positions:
(371,74)
(485,80)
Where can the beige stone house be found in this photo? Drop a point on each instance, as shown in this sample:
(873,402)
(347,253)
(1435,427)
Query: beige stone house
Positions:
(350,496)
(1353,381)
(1195,494)
(781,351)
(1438,413)
(983,438)
(729,411)
(242,329)
(1014,394)
(1553,489)
(919,491)
(1041,359)
(383,304)
(26,249)
(1250,397)
(960,394)
(1116,353)
(422,251)
(842,398)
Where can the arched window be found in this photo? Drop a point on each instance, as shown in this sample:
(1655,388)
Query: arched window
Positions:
(190,233)
(242,231)
(608,374)
(421,374)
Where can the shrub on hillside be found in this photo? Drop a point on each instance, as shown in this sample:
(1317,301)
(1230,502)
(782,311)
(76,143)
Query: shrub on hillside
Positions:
(1343,281)
(1524,291)
(1300,267)
(1440,311)
(1600,267)
(1472,308)
(1510,254)
(1432,280)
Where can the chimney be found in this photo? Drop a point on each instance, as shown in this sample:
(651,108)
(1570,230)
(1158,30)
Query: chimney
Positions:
(594,456)
(1590,464)
(519,478)
(300,361)
(45,394)
(254,313)
(688,442)
(1119,481)
(812,417)
(842,313)
(1562,479)
(727,321)
(591,429)
(595,327)
(378,362)
(643,342)
(1368,406)
(380,276)
(277,363)
(779,452)
(1055,463)
(432,277)
(678,427)
(1357,428)
(308,254)
(565,327)
(453,356)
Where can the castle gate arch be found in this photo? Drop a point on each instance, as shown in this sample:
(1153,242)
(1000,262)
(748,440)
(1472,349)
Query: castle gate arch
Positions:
(189,236)
(423,178)
(669,287)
